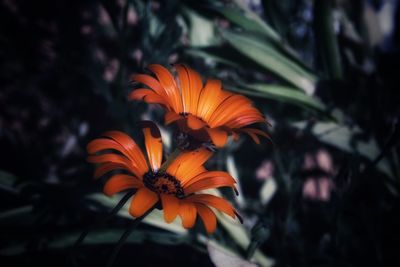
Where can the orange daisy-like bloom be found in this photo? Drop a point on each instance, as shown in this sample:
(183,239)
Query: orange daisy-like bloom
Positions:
(177,187)
(204,112)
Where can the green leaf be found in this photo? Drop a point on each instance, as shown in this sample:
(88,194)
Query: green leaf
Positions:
(222,257)
(232,169)
(240,235)
(16,213)
(112,236)
(209,55)
(155,218)
(282,93)
(267,56)
(107,236)
(201,30)
(7,180)
(249,21)
(268,190)
(326,39)
(252,22)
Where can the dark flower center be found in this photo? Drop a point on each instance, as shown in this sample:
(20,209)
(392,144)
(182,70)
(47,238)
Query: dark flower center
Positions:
(163,183)
(184,114)
(185,141)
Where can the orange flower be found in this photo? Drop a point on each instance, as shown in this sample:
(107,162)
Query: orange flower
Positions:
(207,112)
(178,187)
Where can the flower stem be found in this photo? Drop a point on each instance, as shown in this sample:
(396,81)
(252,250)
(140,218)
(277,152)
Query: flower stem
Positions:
(125,236)
(251,249)
(170,159)
(114,211)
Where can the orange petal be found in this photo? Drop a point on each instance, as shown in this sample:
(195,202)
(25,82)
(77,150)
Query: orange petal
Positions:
(208,217)
(191,85)
(188,164)
(210,182)
(107,167)
(142,201)
(254,137)
(170,117)
(139,94)
(187,212)
(156,99)
(100,144)
(213,201)
(228,109)
(184,82)
(195,123)
(121,182)
(168,83)
(222,96)
(244,121)
(258,132)
(249,112)
(204,175)
(196,86)
(152,137)
(150,82)
(209,99)
(253,133)
(119,159)
(135,154)
(149,96)
(170,206)
(218,136)
(110,158)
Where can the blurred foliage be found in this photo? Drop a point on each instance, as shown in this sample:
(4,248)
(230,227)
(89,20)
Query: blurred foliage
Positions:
(325,73)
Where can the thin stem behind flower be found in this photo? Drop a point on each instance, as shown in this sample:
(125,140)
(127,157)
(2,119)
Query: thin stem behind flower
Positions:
(170,159)
(114,211)
(125,236)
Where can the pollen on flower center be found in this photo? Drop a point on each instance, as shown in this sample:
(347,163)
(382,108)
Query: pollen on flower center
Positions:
(163,183)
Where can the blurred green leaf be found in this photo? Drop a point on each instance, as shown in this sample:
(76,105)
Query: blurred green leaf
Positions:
(240,235)
(7,180)
(16,213)
(259,234)
(268,190)
(222,257)
(211,56)
(326,38)
(201,30)
(232,169)
(249,21)
(267,56)
(252,22)
(112,236)
(156,27)
(155,218)
(107,236)
(281,93)
(274,12)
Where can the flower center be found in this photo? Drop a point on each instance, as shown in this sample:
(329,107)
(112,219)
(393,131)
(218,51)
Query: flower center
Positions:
(163,183)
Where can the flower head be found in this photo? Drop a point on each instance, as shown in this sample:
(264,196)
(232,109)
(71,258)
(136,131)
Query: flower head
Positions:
(204,112)
(177,187)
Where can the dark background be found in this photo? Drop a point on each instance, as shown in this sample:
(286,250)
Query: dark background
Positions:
(64,78)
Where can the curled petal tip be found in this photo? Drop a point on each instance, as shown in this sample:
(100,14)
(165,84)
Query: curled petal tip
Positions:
(235,190)
(239,217)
